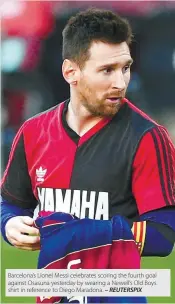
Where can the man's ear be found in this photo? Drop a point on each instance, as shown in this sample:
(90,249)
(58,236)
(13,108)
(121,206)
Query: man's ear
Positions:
(70,71)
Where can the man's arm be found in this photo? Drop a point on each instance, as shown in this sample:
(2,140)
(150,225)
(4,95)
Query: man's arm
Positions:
(153,184)
(9,211)
(155,232)
(17,196)
(16,184)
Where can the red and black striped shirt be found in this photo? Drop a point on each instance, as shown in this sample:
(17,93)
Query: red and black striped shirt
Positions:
(122,165)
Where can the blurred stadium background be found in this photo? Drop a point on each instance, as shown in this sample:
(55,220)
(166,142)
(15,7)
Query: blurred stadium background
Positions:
(32,81)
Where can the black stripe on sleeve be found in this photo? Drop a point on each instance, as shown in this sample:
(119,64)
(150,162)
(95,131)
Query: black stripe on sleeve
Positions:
(159,163)
(171,152)
(169,169)
(168,161)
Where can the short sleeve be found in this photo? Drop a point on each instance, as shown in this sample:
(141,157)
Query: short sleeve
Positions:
(153,171)
(16,183)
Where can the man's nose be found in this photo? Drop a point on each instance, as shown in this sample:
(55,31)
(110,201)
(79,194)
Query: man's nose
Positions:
(118,81)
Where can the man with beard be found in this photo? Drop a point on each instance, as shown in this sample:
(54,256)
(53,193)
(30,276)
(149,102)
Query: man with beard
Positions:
(95,155)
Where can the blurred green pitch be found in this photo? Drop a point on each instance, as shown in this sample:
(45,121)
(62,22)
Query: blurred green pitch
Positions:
(12,258)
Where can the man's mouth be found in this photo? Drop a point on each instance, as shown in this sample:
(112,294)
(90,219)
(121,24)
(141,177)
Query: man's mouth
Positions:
(114,99)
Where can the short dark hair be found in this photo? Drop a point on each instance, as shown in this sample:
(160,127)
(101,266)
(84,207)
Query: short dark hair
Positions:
(89,26)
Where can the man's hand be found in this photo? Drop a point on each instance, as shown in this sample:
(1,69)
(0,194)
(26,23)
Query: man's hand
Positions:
(21,234)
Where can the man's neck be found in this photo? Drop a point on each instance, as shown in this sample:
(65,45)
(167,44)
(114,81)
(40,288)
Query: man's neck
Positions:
(79,119)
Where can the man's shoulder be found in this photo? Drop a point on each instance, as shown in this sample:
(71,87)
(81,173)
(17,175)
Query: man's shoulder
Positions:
(42,119)
(138,113)
(140,121)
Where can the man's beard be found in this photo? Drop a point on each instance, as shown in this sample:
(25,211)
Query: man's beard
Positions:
(102,109)
(97,107)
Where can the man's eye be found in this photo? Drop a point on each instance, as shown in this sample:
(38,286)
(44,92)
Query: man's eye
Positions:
(107,70)
(126,68)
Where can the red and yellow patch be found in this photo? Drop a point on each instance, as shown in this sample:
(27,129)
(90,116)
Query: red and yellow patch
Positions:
(139,232)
